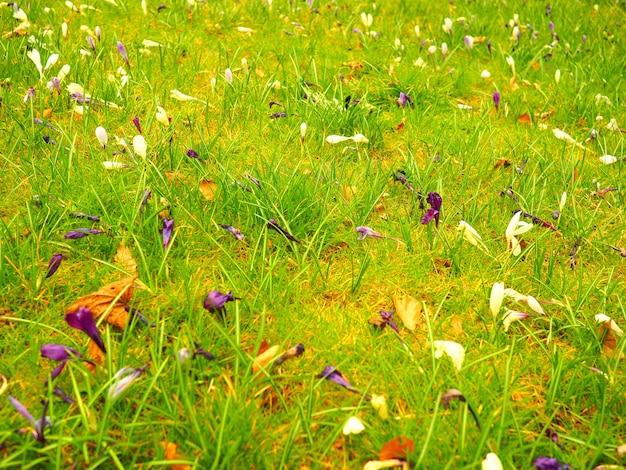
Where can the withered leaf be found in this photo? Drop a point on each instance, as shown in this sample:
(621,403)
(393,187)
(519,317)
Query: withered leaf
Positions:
(101,300)
(171,453)
(502,163)
(96,354)
(609,340)
(524,119)
(398,448)
(124,259)
(409,310)
(208,188)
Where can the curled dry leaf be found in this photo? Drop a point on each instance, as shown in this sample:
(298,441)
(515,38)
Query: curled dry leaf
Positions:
(398,448)
(124,259)
(265,358)
(208,188)
(410,312)
(171,453)
(100,301)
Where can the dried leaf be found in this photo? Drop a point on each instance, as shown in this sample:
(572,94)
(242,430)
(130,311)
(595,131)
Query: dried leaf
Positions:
(609,342)
(457,326)
(354,65)
(47,113)
(101,300)
(502,163)
(535,65)
(208,189)
(265,358)
(410,312)
(124,258)
(398,448)
(524,119)
(96,354)
(400,126)
(171,453)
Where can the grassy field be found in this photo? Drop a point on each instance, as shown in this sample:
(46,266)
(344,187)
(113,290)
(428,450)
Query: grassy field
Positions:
(259,180)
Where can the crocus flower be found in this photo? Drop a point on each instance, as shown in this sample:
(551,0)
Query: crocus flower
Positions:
(161,116)
(81,233)
(454,394)
(58,352)
(331,373)
(54,84)
(368,232)
(191,153)
(404,99)
(447,26)
(201,352)
(379,403)
(83,321)
(102,136)
(215,301)
(469,42)
(183,354)
(469,233)
(609,323)
(137,124)
(302,132)
(496,99)
(491,462)
(38,425)
(140,145)
(278,115)
(64,396)
(515,228)
(122,50)
(123,378)
(29,94)
(114,165)
(228,75)
(497,296)
(388,319)
(401,176)
(168,226)
(435,201)
(233,231)
(353,426)
(511,316)
(81,215)
(562,135)
(92,44)
(273,225)
(608,159)
(444,49)
(296,351)
(489,47)
(549,463)
(177,95)
(54,264)
(455,351)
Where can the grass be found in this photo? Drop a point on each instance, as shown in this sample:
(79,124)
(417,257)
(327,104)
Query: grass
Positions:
(545,373)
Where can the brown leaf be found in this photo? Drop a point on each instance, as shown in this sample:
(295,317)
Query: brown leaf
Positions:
(609,341)
(265,358)
(457,326)
(101,300)
(410,312)
(524,119)
(378,322)
(400,126)
(124,258)
(575,176)
(502,163)
(47,113)
(398,448)
(96,354)
(535,65)
(171,453)
(208,189)
(354,65)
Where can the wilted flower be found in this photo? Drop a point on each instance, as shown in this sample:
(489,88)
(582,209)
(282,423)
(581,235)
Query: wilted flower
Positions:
(491,462)
(562,135)
(81,233)
(353,426)
(469,233)
(610,323)
(454,394)
(358,138)
(168,227)
(144,200)
(331,373)
(38,425)
(233,231)
(83,320)
(123,378)
(549,463)
(91,43)
(404,99)
(295,351)
(201,352)
(435,201)
(102,136)
(140,145)
(496,99)
(511,316)
(280,114)
(273,225)
(368,232)
(455,351)
(54,264)
(497,296)
(215,301)
(511,62)
(122,50)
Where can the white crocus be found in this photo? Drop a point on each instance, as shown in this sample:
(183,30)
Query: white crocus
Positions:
(302,131)
(367,19)
(562,135)
(557,76)
(228,75)
(113,165)
(496,298)
(353,426)
(150,43)
(455,351)
(64,30)
(485,74)
(511,61)
(102,136)
(432,50)
(380,464)
(534,304)
(612,125)
(417,32)
(379,403)
(245,30)
(513,294)
(140,146)
(602,318)
(144,7)
(512,315)
(515,228)
(469,233)
(360,139)
(36,59)
(177,95)
(608,159)
(447,26)
(52,60)
(335,139)
(161,116)
(444,49)
(492,462)
(562,201)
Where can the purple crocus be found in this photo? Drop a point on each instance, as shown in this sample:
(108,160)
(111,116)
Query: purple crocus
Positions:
(215,301)
(83,321)
(92,44)
(388,319)
(489,47)
(368,232)
(551,26)
(137,124)
(233,231)
(549,463)
(64,396)
(48,140)
(273,225)
(58,352)
(191,153)
(54,84)
(401,176)
(29,94)
(554,437)
(280,114)
(168,226)
(54,264)
(253,179)
(123,378)
(435,201)
(161,7)
(404,99)
(496,99)
(331,373)
(81,233)
(201,352)
(38,425)
(122,50)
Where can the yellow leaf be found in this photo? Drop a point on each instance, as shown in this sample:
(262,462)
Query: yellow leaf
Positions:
(208,189)
(264,358)
(124,258)
(409,310)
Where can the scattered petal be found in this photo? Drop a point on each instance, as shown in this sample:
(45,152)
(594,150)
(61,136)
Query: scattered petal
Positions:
(353,426)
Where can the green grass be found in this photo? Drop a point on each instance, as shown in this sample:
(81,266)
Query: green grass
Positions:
(321,292)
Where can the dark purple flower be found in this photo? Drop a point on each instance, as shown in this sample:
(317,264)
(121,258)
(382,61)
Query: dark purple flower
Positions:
(91,43)
(388,318)
(122,50)
(281,114)
(215,301)
(83,321)
(331,373)
(168,226)
(38,425)
(404,99)
(549,463)
(161,7)
(144,200)
(48,140)
(253,179)
(54,264)
(81,215)
(454,394)
(273,225)
(296,351)
(401,176)
(193,154)
(496,99)
(59,352)
(54,84)
(433,211)
(81,233)
(556,215)
(233,231)
(136,313)
(137,124)
(201,352)
(489,47)
(368,232)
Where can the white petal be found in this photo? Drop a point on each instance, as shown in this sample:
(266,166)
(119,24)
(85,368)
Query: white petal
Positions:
(303,130)
(51,61)
(243,29)
(161,116)
(492,462)
(469,233)
(75,88)
(534,304)
(602,318)
(36,58)
(360,139)
(102,136)
(563,201)
(63,72)
(149,43)
(113,165)
(335,139)
(379,464)
(608,159)
(512,225)
(140,145)
(452,349)
(353,426)
(497,296)
(380,404)
(522,227)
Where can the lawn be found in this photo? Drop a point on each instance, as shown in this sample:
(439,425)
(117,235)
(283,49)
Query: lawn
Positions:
(290,234)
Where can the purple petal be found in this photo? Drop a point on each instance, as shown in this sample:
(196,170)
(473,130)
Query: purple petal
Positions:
(54,264)
(273,225)
(388,318)
(21,409)
(146,195)
(122,50)
(59,352)
(296,351)
(57,371)
(281,114)
(430,215)
(83,321)
(549,463)
(81,215)
(331,373)
(435,201)
(368,232)
(215,300)
(233,231)
(60,393)
(496,99)
(201,352)
(168,226)
(137,125)
(81,233)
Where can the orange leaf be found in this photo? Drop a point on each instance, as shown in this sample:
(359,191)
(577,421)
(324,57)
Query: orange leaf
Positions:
(124,258)
(524,119)
(96,354)
(47,113)
(609,341)
(171,453)
(101,300)
(398,448)
(410,312)
(502,163)
(535,65)
(400,126)
(265,358)
(353,65)
(208,189)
